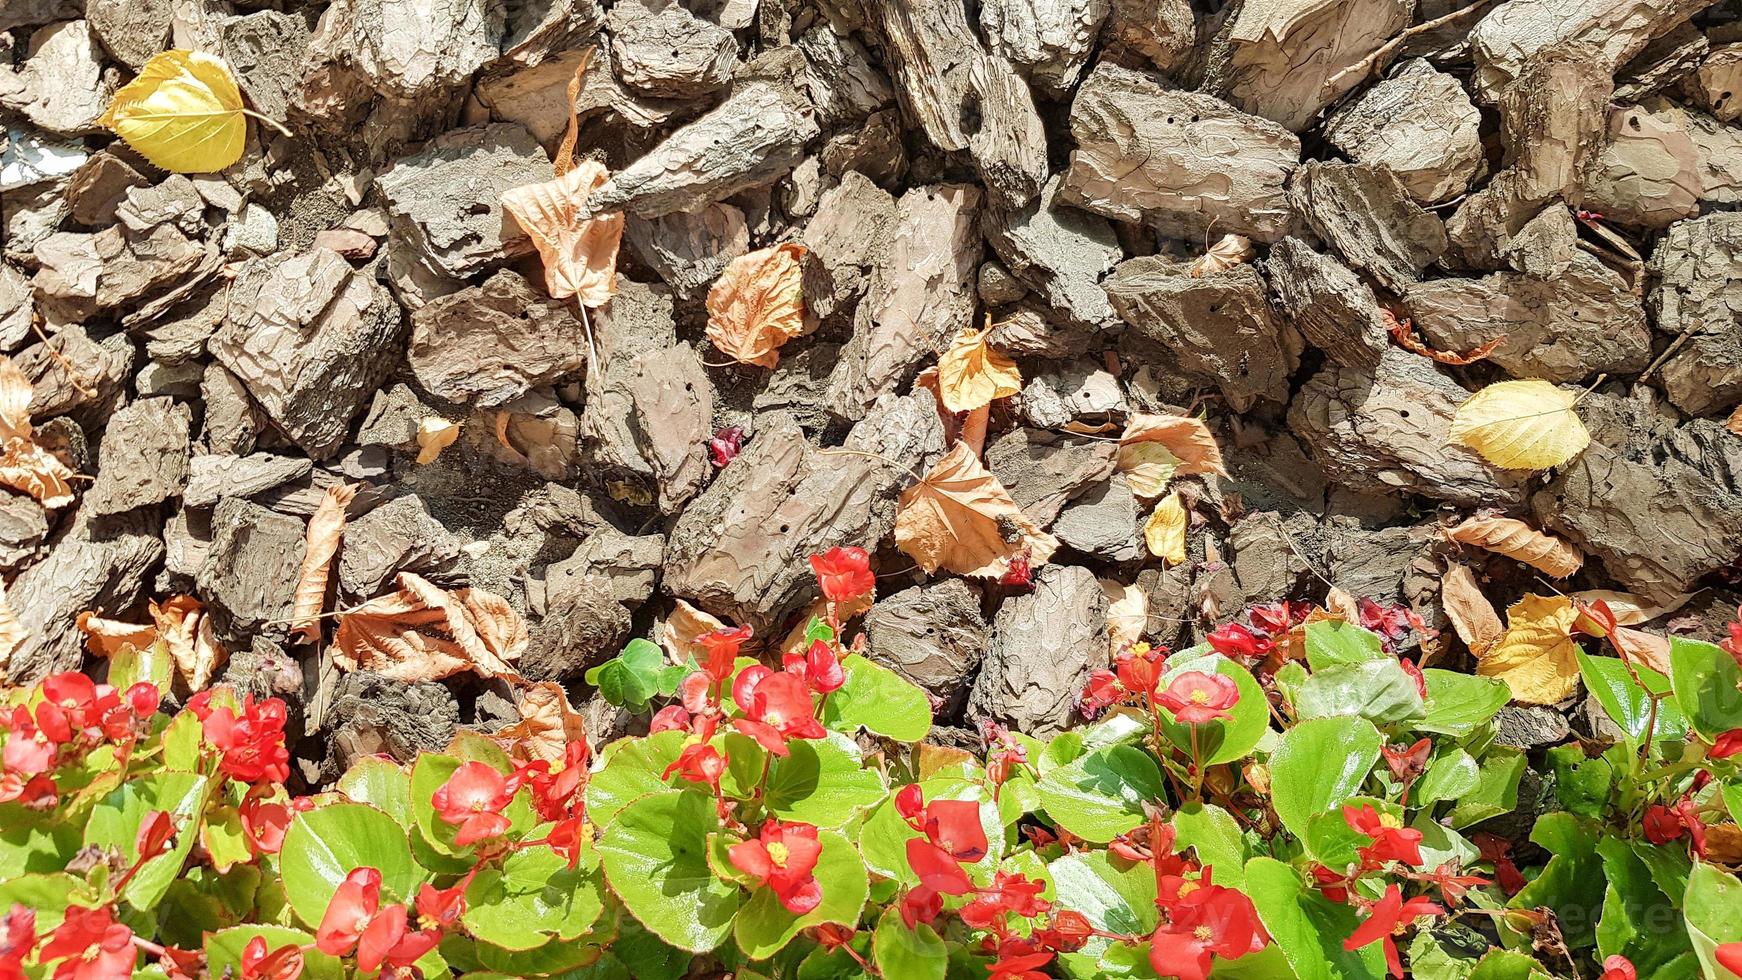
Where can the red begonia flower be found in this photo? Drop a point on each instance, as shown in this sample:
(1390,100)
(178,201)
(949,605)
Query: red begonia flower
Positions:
(283,963)
(1618,967)
(1009,894)
(818,666)
(1389,916)
(17,939)
(782,858)
(699,762)
(1406,764)
(252,743)
(1727,744)
(722,649)
(1392,841)
(1236,642)
(1729,957)
(91,946)
(777,706)
(473,799)
(843,573)
(1195,697)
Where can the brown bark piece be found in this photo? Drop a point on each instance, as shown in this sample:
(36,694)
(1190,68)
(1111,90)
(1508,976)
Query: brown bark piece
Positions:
(399,536)
(1042,648)
(841,80)
(932,634)
(651,414)
(84,275)
(213,477)
(1367,215)
(1716,86)
(964,97)
(60,88)
(689,249)
(1220,326)
(132,30)
(1510,33)
(1060,253)
(1284,59)
(668,52)
(469,168)
(267,51)
(1161,33)
(144,459)
(1179,161)
(1421,125)
(1664,162)
(1331,306)
(492,343)
(1047,40)
(1043,471)
(1698,265)
(250,572)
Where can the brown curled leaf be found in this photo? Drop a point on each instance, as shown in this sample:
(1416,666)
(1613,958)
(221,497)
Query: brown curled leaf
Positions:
(1521,542)
(757,305)
(546,727)
(325,529)
(1472,615)
(960,518)
(424,633)
(1403,331)
(24,465)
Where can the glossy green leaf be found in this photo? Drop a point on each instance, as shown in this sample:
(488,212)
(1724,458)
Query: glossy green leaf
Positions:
(1710,906)
(823,782)
(1114,895)
(1452,773)
(1571,882)
(381,783)
(1638,920)
(31,841)
(1377,690)
(1309,928)
(655,855)
(1318,764)
(152,665)
(1707,684)
(1457,704)
(327,843)
(1629,705)
(1214,836)
(115,822)
(628,770)
(879,700)
(1220,741)
(1496,790)
(532,898)
(901,953)
(630,679)
(1101,795)
(764,926)
(1330,642)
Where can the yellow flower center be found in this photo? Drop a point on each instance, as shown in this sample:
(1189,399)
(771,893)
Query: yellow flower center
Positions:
(772,718)
(1204,933)
(777,853)
(1186,888)
(1201,696)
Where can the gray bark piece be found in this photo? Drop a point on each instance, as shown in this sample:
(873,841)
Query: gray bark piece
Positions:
(97,564)
(1061,253)
(1047,40)
(1698,264)
(408,49)
(214,477)
(173,200)
(23,527)
(83,276)
(1331,306)
(874,149)
(1043,471)
(753,138)
(310,339)
(932,634)
(651,414)
(638,319)
(250,574)
(144,458)
(689,249)
(1080,389)
(398,536)
(1657,526)
(1552,126)
(1668,59)
(1179,161)
(1261,546)
(1219,326)
(492,343)
(1159,32)
(464,165)
(1562,329)
(1529,726)
(799,386)
(393,418)
(1505,38)
(538,30)
(1372,563)
(921,293)
(132,30)
(583,625)
(1280,59)
(1032,329)
(1387,428)
(669,53)
(173,380)
(17,308)
(1043,646)
(60,88)
(267,51)
(1716,85)
(232,422)
(629,563)
(965,98)
(537,97)
(374,716)
(849,236)
(71,373)
(1366,214)
(1420,124)
(842,82)
(739,549)
(1664,162)
(28,13)
(1102,521)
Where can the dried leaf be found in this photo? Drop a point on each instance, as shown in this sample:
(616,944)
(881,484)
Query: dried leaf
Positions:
(1734,423)
(1521,425)
(1627,608)
(546,727)
(1127,613)
(757,304)
(182,112)
(1649,649)
(423,633)
(1231,251)
(795,642)
(179,622)
(1165,531)
(579,250)
(1187,439)
(435,434)
(1472,615)
(1403,331)
(12,632)
(1339,604)
(1518,540)
(1724,844)
(24,465)
(325,529)
(678,631)
(960,518)
(107,637)
(1148,467)
(972,374)
(1536,656)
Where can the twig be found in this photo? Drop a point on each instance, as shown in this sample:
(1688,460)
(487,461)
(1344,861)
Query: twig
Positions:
(1390,47)
(61,359)
(917,478)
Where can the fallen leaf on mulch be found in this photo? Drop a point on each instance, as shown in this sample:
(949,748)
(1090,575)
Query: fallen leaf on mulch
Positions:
(1127,613)
(1518,540)
(425,633)
(180,622)
(1627,608)
(678,631)
(972,374)
(435,434)
(1521,425)
(23,464)
(325,529)
(960,518)
(1472,615)
(546,727)
(1231,251)
(1156,448)
(1734,423)
(757,304)
(1165,531)
(1536,656)
(183,112)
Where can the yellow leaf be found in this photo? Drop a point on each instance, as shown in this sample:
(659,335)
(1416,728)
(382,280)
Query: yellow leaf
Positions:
(1536,656)
(972,375)
(435,434)
(1521,425)
(325,529)
(1165,531)
(960,518)
(757,304)
(1148,467)
(546,727)
(1520,541)
(579,251)
(183,113)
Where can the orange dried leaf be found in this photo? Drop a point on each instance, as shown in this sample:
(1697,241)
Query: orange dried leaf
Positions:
(325,529)
(24,465)
(546,727)
(1187,440)
(1521,542)
(757,305)
(579,250)
(186,629)
(1231,251)
(960,518)
(1641,647)
(1403,331)
(1472,615)
(678,632)
(424,633)
(435,434)
(972,375)
(1734,424)
(107,637)
(1627,608)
